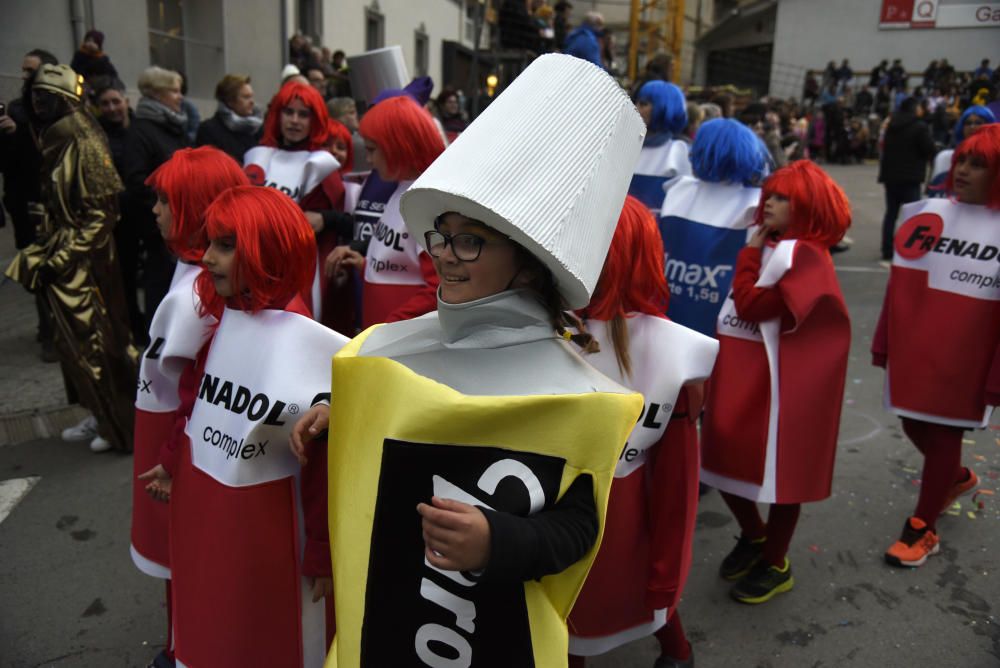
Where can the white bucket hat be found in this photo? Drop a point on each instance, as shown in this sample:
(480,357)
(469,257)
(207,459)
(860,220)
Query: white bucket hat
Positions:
(547,164)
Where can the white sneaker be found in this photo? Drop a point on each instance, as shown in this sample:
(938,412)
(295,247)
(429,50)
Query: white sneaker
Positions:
(100,445)
(85,430)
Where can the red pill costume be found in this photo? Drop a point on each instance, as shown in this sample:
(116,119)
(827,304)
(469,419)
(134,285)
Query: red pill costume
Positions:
(640,569)
(243,543)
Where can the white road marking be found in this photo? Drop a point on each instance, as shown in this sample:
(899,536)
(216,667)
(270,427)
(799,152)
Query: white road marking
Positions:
(12,491)
(865,270)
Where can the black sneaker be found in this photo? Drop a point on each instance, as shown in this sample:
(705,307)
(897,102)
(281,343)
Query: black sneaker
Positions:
(742,558)
(670,662)
(763,583)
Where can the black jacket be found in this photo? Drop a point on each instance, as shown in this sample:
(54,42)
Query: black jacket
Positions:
(147,146)
(89,65)
(21,165)
(907,150)
(213,132)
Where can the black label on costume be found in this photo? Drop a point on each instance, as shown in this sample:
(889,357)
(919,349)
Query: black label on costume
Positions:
(417,615)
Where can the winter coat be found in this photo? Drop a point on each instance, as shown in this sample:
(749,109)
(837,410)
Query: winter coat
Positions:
(212,132)
(907,150)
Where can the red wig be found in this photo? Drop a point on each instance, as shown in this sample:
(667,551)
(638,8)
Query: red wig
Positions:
(339,131)
(818,208)
(633,279)
(310,97)
(191,179)
(275,256)
(984,144)
(405,133)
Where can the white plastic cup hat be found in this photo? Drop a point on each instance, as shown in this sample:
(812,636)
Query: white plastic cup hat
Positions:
(548,164)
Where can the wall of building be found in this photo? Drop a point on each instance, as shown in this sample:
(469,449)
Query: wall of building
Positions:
(344,28)
(810,33)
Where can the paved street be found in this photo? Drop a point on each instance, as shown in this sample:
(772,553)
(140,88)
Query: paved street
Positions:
(69,595)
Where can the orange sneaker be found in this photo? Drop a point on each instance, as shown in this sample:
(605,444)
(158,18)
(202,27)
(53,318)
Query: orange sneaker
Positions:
(916,544)
(961,488)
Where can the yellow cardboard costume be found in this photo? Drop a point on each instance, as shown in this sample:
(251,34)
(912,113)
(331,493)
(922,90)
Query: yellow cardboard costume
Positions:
(481,402)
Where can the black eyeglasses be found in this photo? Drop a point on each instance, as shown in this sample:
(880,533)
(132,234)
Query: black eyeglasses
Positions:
(465,246)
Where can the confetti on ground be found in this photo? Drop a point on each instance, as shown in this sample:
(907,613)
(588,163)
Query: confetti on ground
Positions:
(915,481)
(968,441)
(979,458)
(849,402)
(907,469)
(971,515)
(955,510)
(814,548)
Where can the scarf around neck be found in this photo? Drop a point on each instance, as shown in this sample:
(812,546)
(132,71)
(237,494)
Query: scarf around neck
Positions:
(153,110)
(240,124)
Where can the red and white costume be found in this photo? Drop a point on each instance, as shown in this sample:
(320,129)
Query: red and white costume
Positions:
(240,594)
(939,331)
(176,334)
(312,180)
(645,554)
(772,413)
(400,281)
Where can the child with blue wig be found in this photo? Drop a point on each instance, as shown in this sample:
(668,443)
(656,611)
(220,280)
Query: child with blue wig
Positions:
(704,221)
(971,120)
(664,155)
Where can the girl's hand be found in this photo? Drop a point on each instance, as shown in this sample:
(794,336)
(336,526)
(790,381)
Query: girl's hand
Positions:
(340,260)
(160,483)
(321,588)
(309,426)
(456,535)
(315,221)
(759,237)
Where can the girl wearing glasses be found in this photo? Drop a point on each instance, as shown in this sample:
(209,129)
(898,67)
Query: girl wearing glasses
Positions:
(399,280)
(471,460)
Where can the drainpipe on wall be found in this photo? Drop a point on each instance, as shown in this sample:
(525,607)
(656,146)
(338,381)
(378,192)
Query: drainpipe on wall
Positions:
(78,18)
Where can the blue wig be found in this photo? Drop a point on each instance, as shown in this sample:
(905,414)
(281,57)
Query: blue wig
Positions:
(725,150)
(669,107)
(975,110)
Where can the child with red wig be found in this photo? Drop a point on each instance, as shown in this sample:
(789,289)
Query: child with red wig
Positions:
(772,412)
(185,186)
(293,158)
(248,523)
(402,141)
(654,496)
(938,336)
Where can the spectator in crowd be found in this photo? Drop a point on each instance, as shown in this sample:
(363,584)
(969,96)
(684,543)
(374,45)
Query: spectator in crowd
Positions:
(725,103)
(159,130)
(983,71)
(544,16)
(810,88)
(72,261)
(20,164)
(711,111)
(844,75)
(830,75)
(191,111)
(931,74)
(517,28)
(897,75)
(317,79)
(291,71)
(345,110)
(658,68)
(560,24)
(108,95)
(299,51)
(754,117)
(89,60)
(878,73)
(903,167)
(450,113)
(585,42)
(340,79)
(696,116)
(236,126)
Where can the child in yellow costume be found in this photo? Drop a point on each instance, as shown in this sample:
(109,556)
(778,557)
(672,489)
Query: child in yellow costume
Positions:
(472,449)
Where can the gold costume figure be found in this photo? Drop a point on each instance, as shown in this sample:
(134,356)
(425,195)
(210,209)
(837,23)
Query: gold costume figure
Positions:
(73,261)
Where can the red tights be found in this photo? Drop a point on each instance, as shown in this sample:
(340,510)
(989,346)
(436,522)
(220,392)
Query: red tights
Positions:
(941,447)
(673,642)
(781,521)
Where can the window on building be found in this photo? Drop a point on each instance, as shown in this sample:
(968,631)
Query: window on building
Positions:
(374,28)
(310,19)
(187,37)
(421,51)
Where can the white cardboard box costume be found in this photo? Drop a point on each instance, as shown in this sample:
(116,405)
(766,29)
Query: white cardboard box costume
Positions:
(176,334)
(546,164)
(611,609)
(236,501)
(703,226)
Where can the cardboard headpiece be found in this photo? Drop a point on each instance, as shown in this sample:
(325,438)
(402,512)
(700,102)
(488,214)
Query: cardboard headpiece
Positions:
(374,71)
(59,79)
(548,164)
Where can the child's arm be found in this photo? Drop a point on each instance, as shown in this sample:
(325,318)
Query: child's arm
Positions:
(510,548)
(752,303)
(880,339)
